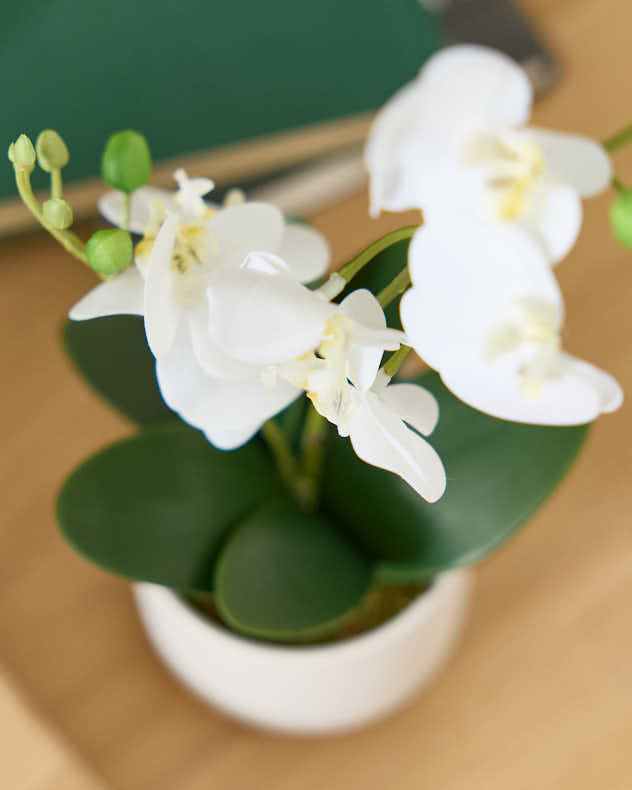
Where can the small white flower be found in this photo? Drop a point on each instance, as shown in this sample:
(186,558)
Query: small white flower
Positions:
(178,255)
(452,142)
(486,312)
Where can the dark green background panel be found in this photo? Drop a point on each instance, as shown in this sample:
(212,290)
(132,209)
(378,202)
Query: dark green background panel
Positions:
(199,73)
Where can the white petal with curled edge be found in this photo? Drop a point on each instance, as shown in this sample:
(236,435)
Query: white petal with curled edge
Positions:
(577,161)
(120,295)
(262,319)
(380,438)
(161,312)
(244,228)
(111,206)
(305,251)
(554,218)
(468,277)
(414,404)
(574,394)
(215,406)
(213,360)
(364,361)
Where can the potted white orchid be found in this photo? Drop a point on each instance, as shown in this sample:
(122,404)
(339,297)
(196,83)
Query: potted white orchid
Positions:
(299,559)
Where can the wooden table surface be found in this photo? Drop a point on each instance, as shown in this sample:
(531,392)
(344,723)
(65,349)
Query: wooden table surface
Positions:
(539,692)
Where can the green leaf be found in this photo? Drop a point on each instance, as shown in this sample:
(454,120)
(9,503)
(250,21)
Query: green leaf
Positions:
(498,473)
(112,355)
(379,273)
(288,576)
(157,507)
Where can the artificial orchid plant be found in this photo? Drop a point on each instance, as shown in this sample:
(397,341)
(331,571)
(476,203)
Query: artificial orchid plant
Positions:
(292,514)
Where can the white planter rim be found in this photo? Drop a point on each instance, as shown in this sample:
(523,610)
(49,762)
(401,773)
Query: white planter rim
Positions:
(411,616)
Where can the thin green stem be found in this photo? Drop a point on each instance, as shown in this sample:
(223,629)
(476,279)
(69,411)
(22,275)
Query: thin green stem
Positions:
(68,240)
(276,440)
(56,188)
(313,453)
(618,140)
(126,210)
(349,270)
(395,361)
(395,288)
(617,184)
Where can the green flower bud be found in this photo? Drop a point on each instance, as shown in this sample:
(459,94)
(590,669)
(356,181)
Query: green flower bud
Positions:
(621,217)
(109,251)
(23,153)
(126,162)
(57,213)
(11,152)
(52,153)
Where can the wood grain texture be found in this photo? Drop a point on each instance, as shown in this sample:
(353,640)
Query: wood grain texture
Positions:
(539,693)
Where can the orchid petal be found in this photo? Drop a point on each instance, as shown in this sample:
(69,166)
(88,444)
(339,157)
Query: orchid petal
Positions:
(414,404)
(262,319)
(574,394)
(577,161)
(244,228)
(388,135)
(364,360)
(414,147)
(306,252)
(120,295)
(381,439)
(217,407)
(161,312)
(467,278)
(264,262)
(231,438)
(469,87)
(213,360)
(555,219)
(111,206)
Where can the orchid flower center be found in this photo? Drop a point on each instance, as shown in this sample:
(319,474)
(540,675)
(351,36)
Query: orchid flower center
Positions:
(324,374)
(535,334)
(514,167)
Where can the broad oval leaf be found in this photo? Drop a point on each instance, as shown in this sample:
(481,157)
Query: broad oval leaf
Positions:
(288,576)
(112,355)
(157,506)
(498,472)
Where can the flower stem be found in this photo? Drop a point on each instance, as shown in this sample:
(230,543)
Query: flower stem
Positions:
(313,453)
(56,188)
(126,210)
(349,270)
(395,361)
(617,184)
(395,288)
(277,442)
(618,140)
(68,240)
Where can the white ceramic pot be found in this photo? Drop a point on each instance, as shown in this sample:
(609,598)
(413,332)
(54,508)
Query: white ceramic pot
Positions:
(307,690)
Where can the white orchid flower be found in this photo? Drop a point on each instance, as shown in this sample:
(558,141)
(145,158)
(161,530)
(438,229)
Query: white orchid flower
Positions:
(168,280)
(453,142)
(287,339)
(486,312)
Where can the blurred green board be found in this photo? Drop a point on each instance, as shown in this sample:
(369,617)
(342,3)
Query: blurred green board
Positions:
(197,74)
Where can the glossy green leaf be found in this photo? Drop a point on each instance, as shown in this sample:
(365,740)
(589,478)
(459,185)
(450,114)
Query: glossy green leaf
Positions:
(157,506)
(288,576)
(498,473)
(112,355)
